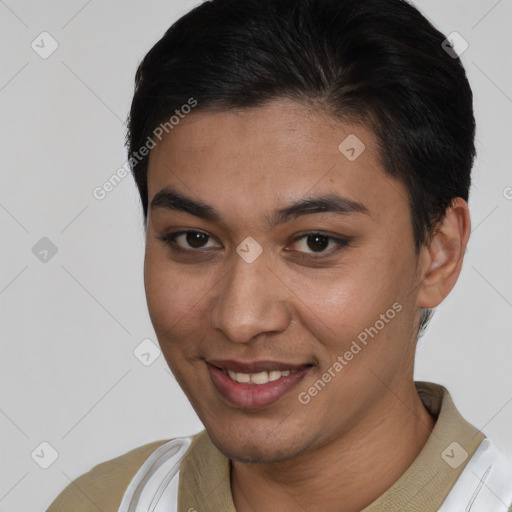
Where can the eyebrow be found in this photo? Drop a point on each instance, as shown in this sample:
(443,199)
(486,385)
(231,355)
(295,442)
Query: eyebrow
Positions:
(173,200)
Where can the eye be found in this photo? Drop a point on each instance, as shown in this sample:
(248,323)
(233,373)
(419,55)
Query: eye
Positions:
(319,243)
(187,240)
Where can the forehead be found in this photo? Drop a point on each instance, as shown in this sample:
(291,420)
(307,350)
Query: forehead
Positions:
(254,158)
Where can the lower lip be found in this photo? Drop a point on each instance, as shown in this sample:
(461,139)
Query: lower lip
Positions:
(254,396)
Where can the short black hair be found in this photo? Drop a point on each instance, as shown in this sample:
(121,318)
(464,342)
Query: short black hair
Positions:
(376,62)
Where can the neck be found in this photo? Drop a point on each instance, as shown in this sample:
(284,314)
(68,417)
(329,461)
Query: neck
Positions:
(347,473)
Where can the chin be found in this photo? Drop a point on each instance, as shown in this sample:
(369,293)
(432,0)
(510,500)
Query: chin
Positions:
(257,446)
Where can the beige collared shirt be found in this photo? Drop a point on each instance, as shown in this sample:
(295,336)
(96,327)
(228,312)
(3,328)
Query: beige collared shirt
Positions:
(204,478)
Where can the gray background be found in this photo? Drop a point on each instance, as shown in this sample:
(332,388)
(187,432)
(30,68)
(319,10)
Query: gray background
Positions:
(70,324)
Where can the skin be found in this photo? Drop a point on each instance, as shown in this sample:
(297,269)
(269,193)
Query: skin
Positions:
(296,303)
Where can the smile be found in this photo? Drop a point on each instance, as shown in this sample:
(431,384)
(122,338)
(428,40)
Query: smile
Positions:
(254,385)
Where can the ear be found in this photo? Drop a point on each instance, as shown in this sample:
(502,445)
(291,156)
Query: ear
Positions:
(441,260)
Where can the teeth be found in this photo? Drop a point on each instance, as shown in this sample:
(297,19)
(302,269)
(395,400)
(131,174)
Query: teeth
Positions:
(260,377)
(241,377)
(274,375)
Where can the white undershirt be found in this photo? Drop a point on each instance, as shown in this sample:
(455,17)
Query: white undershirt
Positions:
(485,485)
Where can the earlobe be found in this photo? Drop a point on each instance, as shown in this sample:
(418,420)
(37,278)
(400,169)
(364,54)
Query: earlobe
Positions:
(441,260)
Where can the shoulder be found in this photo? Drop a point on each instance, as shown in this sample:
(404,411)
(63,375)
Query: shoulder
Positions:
(103,487)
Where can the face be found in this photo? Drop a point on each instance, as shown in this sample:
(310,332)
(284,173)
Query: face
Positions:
(280,275)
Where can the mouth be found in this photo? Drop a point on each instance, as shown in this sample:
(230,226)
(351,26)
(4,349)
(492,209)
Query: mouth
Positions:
(257,384)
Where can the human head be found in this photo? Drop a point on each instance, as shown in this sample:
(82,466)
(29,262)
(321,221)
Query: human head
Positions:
(252,72)
(373,62)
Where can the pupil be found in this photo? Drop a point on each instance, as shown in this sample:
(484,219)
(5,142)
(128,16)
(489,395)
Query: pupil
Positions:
(319,243)
(196,239)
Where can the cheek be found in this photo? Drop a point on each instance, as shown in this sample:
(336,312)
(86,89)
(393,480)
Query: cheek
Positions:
(173,298)
(336,317)
(346,304)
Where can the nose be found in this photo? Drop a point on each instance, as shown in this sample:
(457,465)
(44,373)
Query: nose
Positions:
(251,300)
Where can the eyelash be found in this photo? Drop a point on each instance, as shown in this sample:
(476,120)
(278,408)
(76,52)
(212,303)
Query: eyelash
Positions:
(170,240)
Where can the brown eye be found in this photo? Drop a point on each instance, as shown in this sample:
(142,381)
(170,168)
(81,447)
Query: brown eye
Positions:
(189,240)
(317,242)
(196,239)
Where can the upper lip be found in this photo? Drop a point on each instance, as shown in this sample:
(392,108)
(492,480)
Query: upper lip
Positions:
(254,366)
